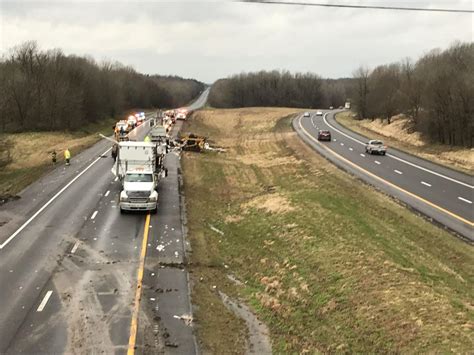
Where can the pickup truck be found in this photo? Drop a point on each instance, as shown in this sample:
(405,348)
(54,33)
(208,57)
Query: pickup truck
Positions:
(375,146)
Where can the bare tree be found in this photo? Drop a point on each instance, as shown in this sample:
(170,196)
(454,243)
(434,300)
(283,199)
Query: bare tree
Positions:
(362,91)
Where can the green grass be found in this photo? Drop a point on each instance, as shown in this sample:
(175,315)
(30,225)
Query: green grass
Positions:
(355,271)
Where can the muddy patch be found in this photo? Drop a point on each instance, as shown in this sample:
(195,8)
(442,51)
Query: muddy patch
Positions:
(7,198)
(96,298)
(259,336)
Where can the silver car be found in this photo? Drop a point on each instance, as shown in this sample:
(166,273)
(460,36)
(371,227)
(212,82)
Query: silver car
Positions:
(375,147)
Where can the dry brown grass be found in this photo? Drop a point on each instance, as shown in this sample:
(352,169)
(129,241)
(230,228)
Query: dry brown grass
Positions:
(399,135)
(271,203)
(329,263)
(34,148)
(31,153)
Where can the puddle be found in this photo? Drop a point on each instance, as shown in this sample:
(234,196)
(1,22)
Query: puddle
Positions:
(259,338)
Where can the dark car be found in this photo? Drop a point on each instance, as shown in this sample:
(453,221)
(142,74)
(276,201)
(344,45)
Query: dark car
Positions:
(324,135)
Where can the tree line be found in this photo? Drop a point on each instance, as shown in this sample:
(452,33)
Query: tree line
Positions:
(436,93)
(48,90)
(277,88)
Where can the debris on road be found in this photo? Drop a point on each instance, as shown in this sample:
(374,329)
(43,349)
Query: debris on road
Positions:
(214,149)
(192,142)
(195,143)
(171,344)
(188,319)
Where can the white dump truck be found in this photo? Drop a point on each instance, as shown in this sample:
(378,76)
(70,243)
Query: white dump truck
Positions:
(139,166)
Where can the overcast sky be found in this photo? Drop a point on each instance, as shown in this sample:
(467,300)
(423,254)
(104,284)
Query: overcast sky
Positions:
(210,40)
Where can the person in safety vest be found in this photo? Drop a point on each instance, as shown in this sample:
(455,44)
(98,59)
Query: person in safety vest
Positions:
(67,156)
(53,157)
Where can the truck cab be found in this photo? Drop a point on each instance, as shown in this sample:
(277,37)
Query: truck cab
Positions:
(139,191)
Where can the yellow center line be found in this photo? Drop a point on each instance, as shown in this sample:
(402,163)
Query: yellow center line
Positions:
(385,181)
(136,310)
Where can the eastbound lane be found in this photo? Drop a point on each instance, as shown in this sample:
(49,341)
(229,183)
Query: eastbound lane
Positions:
(438,192)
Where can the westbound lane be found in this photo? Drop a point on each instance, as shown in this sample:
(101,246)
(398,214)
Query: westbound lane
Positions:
(69,275)
(437,192)
(40,230)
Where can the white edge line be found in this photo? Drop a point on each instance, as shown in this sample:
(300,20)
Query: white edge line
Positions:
(465,200)
(383,180)
(400,159)
(94,214)
(426,184)
(44,301)
(18,231)
(74,248)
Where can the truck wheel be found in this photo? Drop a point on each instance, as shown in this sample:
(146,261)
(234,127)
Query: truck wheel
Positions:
(122,211)
(153,211)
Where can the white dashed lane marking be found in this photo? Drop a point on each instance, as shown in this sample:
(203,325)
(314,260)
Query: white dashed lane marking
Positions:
(426,184)
(465,200)
(398,172)
(94,214)
(351,149)
(362,155)
(44,301)
(377,162)
(107,193)
(400,159)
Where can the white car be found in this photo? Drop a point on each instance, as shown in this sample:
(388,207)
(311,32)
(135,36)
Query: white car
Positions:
(319,113)
(375,147)
(306,114)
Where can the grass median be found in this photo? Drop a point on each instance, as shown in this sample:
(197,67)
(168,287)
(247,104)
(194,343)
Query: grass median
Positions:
(326,261)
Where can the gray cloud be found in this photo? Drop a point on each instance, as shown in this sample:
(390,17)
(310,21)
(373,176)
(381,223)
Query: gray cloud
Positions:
(209,40)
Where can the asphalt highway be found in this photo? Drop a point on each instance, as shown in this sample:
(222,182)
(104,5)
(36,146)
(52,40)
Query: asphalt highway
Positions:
(444,195)
(69,263)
